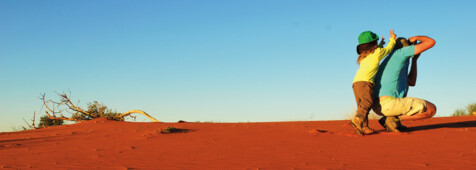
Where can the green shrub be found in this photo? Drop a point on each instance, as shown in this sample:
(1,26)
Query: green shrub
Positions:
(470,109)
(97,110)
(459,112)
(45,121)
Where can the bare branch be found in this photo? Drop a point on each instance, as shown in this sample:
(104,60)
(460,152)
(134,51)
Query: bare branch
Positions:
(26,123)
(46,106)
(63,118)
(137,111)
(34,115)
(32,126)
(70,104)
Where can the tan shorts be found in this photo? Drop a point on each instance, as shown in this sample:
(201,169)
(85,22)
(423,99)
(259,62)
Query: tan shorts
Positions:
(400,106)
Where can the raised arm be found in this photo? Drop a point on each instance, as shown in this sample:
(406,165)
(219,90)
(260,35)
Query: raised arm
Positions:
(426,43)
(385,51)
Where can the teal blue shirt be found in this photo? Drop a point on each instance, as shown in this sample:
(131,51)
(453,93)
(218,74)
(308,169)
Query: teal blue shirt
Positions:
(391,77)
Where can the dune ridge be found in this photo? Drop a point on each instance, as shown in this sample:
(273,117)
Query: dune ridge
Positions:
(442,143)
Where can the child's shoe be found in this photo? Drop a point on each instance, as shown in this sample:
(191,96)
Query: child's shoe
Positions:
(365,127)
(357,123)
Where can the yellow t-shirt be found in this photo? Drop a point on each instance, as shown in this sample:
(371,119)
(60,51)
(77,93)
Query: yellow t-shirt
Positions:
(369,65)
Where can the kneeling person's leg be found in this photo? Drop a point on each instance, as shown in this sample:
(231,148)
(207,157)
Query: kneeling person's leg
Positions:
(421,109)
(407,108)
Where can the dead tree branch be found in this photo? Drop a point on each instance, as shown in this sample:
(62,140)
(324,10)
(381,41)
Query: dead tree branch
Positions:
(32,126)
(80,114)
(137,111)
(46,106)
(67,102)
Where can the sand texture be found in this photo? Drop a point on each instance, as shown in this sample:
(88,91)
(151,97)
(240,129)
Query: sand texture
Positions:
(437,143)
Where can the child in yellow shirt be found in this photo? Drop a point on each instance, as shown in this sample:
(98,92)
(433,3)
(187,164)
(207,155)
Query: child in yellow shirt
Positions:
(370,55)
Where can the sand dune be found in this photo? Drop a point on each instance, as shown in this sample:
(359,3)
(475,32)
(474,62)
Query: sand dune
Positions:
(442,143)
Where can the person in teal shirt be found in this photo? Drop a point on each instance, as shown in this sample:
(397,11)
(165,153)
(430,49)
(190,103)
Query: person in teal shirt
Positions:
(392,81)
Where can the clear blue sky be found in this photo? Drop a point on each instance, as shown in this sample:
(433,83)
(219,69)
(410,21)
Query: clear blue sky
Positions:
(226,61)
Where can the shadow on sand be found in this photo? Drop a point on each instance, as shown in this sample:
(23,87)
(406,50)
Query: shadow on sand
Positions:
(465,124)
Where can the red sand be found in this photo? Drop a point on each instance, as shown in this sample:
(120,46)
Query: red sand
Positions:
(441,143)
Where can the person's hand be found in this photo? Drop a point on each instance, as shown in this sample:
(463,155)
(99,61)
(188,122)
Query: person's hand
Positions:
(382,42)
(412,40)
(392,34)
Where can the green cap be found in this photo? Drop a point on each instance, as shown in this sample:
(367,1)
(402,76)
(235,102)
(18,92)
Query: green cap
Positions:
(367,36)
